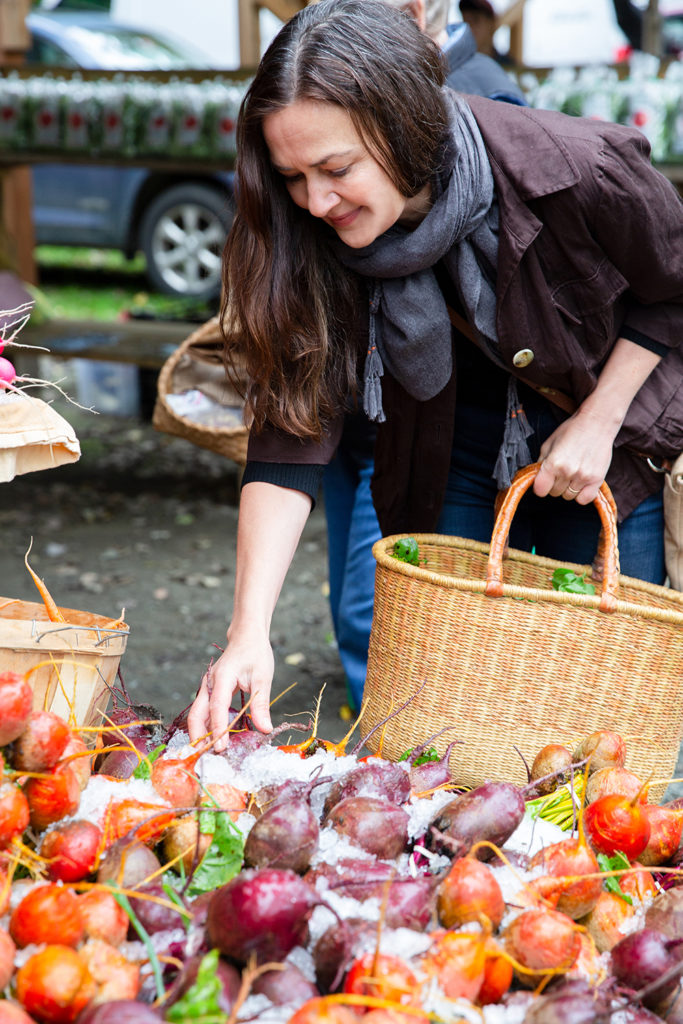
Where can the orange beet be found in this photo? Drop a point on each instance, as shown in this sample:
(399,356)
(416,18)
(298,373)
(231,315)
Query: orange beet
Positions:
(458,960)
(539,940)
(42,742)
(52,797)
(176,781)
(103,917)
(7,952)
(14,814)
(570,858)
(78,755)
(666,827)
(614,780)
(72,850)
(16,701)
(115,976)
(497,974)
(55,985)
(320,1011)
(615,824)
(47,914)
(469,892)
(142,821)
(383,976)
(605,748)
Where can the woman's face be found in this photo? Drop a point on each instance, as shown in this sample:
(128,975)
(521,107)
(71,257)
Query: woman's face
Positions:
(329,171)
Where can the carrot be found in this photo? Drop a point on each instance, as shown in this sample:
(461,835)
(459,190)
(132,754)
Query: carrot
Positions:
(53,611)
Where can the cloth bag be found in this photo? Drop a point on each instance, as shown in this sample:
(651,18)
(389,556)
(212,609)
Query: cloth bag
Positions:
(673,523)
(33,436)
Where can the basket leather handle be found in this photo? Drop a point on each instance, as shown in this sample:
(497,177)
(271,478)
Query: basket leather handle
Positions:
(607,546)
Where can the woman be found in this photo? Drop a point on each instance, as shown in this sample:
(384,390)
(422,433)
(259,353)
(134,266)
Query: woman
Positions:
(374,207)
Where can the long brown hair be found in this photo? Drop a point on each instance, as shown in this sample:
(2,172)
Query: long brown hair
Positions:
(289,305)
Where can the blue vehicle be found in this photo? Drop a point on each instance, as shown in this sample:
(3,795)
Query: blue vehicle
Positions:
(179,220)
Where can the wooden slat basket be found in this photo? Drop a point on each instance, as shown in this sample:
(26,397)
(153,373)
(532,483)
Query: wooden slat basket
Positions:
(197,367)
(516,664)
(78,659)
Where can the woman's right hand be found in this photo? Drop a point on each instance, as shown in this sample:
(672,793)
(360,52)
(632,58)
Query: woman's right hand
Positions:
(246,664)
(271,519)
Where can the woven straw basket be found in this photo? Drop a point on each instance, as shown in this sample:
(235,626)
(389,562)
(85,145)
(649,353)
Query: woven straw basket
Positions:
(72,664)
(516,664)
(197,365)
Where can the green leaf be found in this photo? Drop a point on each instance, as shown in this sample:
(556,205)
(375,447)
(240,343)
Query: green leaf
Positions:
(407,550)
(570,582)
(223,860)
(201,1001)
(428,755)
(144,769)
(615,863)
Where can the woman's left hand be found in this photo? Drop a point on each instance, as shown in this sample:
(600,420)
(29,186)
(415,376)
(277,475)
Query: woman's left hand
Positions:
(574,460)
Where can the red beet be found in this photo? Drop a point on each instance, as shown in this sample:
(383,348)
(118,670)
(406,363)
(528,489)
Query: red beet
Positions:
(228,976)
(16,700)
(285,836)
(336,948)
(375,825)
(264,912)
(120,1011)
(120,764)
(432,774)
(642,958)
(381,779)
(290,986)
(491,812)
(155,917)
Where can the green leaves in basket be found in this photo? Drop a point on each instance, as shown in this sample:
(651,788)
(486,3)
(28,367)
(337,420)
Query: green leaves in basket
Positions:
(571,582)
(424,758)
(616,863)
(406,550)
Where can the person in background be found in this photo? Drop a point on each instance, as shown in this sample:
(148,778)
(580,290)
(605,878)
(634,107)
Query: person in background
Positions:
(483,22)
(352,526)
(450,264)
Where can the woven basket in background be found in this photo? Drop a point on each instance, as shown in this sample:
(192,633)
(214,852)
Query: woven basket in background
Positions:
(526,668)
(197,365)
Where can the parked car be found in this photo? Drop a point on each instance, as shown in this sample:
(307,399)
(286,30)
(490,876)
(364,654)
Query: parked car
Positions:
(179,220)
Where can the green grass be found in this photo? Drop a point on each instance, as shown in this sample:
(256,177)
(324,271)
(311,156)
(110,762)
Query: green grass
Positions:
(101,284)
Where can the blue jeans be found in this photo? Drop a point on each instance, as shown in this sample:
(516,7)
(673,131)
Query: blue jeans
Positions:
(352,529)
(552,527)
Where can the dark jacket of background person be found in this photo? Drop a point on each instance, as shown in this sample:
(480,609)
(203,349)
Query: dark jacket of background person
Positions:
(590,250)
(473,72)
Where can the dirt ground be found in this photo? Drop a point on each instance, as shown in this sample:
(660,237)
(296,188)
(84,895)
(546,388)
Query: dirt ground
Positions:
(147,522)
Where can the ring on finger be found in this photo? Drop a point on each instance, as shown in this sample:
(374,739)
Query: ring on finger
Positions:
(572,490)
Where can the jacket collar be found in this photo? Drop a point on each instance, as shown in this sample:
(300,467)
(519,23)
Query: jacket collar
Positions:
(511,135)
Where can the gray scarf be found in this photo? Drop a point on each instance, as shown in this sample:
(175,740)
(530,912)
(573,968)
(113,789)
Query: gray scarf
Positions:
(410,329)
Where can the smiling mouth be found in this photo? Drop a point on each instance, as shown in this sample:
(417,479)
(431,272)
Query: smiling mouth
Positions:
(343,221)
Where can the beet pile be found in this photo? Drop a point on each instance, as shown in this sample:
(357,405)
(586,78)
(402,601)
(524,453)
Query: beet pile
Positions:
(145,880)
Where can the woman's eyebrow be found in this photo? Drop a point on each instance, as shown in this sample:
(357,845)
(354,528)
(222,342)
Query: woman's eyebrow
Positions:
(318,163)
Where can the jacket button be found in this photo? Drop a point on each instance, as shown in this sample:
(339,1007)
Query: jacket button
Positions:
(523,357)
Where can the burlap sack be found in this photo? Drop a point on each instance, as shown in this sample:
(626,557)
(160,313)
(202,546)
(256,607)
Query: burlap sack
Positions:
(33,436)
(673,524)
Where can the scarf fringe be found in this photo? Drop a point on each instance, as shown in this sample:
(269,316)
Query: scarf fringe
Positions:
(373,370)
(514,452)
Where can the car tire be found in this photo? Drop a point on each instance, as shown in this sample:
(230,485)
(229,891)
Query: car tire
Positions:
(182,234)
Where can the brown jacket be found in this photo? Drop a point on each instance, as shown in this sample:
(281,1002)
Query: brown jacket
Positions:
(590,249)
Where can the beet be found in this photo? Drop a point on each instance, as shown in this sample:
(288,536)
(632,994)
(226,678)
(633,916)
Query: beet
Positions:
(337,947)
(666,914)
(228,976)
(568,1004)
(644,957)
(376,826)
(285,987)
(431,774)
(120,1011)
(128,862)
(285,836)
(491,812)
(358,878)
(153,916)
(121,764)
(382,779)
(262,911)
